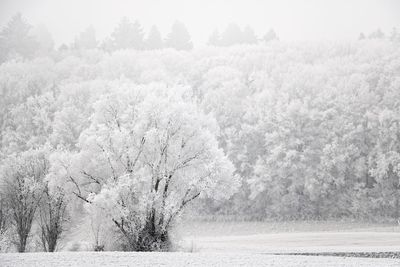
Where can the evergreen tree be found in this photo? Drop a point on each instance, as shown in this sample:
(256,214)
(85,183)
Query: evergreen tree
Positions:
(378,34)
(44,39)
(249,37)
(128,35)
(395,36)
(154,40)
(107,44)
(270,36)
(179,37)
(215,38)
(232,35)
(86,39)
(63,47)
(137,35)
(16,40)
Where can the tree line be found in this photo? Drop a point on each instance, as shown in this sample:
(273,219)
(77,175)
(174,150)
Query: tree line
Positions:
(18,37)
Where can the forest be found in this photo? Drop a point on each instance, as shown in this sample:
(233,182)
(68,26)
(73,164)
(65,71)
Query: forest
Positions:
(131,139)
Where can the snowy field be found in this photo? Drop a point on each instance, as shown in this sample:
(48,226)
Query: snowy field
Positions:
(182,259)
(300,242)
(244,244)
(290,237)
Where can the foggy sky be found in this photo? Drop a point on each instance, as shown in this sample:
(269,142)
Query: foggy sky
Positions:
(291,19)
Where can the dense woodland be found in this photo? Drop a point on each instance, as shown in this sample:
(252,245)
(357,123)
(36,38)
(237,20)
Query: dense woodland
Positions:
(135,137)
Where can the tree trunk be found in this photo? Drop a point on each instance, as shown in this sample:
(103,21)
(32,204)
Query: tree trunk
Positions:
(396,205)
(52,244)
(22,241)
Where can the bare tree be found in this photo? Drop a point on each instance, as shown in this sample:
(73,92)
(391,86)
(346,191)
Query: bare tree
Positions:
(53,216)
(3,215)
(22,175)
(4,221)
(96,225)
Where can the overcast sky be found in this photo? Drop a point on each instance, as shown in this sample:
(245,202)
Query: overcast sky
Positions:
(291,19)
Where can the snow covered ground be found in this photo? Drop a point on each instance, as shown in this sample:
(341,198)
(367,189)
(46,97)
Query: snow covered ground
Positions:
(292,237)
(298,242)
(243,244)
(183,259)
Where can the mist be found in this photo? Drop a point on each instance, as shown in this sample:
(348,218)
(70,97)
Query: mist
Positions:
(293,20)
(204,133)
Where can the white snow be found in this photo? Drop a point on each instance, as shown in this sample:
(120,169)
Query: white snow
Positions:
(182,259)
(236,247)
(298,242)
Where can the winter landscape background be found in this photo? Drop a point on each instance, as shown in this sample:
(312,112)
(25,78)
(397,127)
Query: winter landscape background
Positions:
(246,149)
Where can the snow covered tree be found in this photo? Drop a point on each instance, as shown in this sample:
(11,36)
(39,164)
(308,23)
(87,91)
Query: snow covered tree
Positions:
(44,40)
(179,37)
(395,35)
(387,167)
(21,176)
(377,34)
(248,35)
(232,35)
(293,148)
(75,102)
(86,39)
(148,153)
(138,35)
(215,38)
(270,36)
(29,124)
(53,217)
(128,35)
(107,44)
(310,124)
(154,40)
(19,81)
(4,221)
(16,39)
